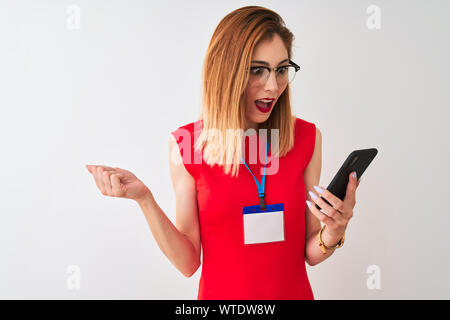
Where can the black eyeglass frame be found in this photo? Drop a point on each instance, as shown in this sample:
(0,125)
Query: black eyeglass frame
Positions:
(275,69)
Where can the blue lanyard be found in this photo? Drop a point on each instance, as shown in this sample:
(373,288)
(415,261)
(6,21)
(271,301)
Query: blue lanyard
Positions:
(260,186)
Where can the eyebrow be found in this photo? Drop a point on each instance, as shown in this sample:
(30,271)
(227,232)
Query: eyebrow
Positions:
(266,63)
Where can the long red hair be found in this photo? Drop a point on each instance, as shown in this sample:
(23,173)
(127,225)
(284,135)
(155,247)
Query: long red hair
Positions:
(224,82)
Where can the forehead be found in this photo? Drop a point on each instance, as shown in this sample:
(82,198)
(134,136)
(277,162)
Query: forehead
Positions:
(271,50)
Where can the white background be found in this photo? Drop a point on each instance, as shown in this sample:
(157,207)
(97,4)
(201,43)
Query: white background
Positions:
(111,92)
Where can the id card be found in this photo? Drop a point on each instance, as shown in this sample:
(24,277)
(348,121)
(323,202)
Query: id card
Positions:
(261,226)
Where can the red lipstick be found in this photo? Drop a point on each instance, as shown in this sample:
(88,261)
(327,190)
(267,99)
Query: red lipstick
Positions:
(264,109)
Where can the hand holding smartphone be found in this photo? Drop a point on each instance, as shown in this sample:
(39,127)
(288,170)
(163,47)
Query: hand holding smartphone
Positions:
(357,161)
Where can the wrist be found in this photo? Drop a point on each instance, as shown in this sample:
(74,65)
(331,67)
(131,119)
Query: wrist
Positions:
(146,199)
(331,238)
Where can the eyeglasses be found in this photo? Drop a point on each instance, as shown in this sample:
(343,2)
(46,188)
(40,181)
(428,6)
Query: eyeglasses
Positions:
(284,74)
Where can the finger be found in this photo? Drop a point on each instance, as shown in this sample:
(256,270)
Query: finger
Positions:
(329,210)
(350,196)
(99,177)
(92,167)
(107,182)
(125,173)
(116,184)
(334,201)
(319,214)
(94,171)
(106,168)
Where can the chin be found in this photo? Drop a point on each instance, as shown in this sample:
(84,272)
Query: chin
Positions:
(263,118)
(260,118)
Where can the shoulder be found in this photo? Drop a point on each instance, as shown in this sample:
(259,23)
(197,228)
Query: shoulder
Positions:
(315,152)
(306,130)
(186,133)
(191,127)
(310,140)
(184,137)
(304,126)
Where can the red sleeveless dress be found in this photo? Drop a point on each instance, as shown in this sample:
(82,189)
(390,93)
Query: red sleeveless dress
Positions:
(264,271)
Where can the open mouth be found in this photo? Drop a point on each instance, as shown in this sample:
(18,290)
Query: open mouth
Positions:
(263,106)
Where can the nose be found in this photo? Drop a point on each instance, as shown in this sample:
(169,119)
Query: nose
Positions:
(271,83)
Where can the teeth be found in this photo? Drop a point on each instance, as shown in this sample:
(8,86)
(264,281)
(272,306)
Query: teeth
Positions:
(266,101)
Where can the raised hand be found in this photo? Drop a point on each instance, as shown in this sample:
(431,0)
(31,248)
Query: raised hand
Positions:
(338,215)
(117,182)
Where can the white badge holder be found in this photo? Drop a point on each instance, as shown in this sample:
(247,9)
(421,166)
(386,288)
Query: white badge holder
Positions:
(262,226)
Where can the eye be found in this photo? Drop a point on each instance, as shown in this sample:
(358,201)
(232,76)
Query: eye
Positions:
(282,70)
(256,71)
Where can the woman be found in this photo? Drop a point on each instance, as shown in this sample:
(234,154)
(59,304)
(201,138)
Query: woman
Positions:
(246,255)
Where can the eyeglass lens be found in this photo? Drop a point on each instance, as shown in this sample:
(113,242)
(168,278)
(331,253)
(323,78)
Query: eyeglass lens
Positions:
(260,75)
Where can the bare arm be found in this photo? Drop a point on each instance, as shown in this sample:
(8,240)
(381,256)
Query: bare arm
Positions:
(181,243)
(313,253)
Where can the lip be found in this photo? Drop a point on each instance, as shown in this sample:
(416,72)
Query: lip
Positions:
(264,110)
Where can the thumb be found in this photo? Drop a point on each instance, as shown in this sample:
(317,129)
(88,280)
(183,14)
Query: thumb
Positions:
(121,170)
(116,184)
(351,187)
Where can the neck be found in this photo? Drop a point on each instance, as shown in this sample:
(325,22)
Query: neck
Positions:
(250,124)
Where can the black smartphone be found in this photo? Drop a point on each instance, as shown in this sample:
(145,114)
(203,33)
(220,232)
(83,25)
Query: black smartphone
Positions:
(357,161)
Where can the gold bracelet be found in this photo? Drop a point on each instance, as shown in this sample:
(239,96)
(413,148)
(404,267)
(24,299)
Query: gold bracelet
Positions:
(323,246)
